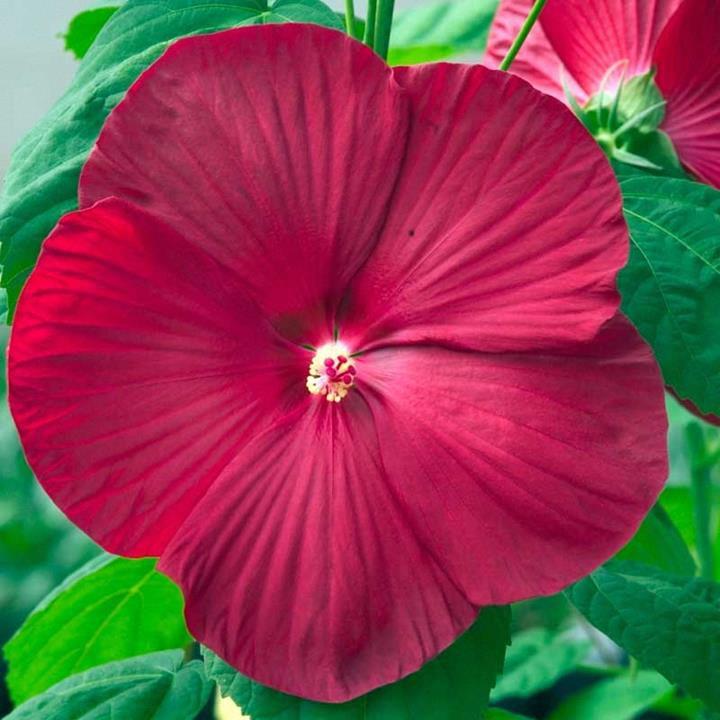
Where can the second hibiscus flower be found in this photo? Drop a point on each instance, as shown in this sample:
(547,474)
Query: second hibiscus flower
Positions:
(592,48)
(274,219)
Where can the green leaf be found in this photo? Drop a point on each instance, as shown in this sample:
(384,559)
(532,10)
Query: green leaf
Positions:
(84,28)
(668,622)
(151,687)
(621,698)
(306,11)
(110,609)
(453,686)
(461,24)
(500,714)
(656,148)
(536,660)
(419,54)
(677,502)
(41,183)
(659,543)
(671,284)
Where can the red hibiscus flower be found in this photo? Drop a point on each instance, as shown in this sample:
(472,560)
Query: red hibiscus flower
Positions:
(275,219)
(592,44)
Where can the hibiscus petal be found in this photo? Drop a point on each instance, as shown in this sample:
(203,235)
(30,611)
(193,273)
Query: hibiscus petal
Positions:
(591,37)
(505,230)
(275,148)
(351,543)
(537,62)
(522,472)
(300,569)
(135,368)
(688,75)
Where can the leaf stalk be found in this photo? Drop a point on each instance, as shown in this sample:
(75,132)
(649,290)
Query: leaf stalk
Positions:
(527,26)
(350,18)
(383,26)
(369,38)
(701,484)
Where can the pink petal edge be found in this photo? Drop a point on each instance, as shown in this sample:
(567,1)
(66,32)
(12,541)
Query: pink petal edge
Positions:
(118,357)
(688,75)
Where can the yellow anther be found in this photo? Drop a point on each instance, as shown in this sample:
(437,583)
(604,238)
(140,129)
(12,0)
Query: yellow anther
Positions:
(332,372)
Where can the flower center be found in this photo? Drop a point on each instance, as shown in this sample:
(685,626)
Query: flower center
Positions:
(332,372)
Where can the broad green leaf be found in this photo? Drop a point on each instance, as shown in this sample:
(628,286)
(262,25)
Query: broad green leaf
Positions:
(41,183)
(668,622)
(306,11)
(159,686)
(659,543)
(536,660)
(453,686)
(671,284)
(419,54)
(84,28)
(460,24)
(621,698)
(500,714)
(681,707)
(110,609)
(677,502)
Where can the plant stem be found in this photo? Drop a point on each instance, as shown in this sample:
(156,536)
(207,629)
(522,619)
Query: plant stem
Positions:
(522,35)
(350,18)
(190,651)
(369,38)
(383,26)
(701,484)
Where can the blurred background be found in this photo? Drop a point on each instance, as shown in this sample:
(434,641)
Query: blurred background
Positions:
(34,68)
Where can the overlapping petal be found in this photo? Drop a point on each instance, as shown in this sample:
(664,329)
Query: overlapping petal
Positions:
(361,542)
(313,582)
(241,142)
(688,75)
(592,37)
(505,230)
(137,369)
(543,464)
(601,42)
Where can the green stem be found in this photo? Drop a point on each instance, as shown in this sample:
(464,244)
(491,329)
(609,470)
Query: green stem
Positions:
(522,35)
(701,484)
(383,26)
(350,18)
(190,651)
(369,38)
